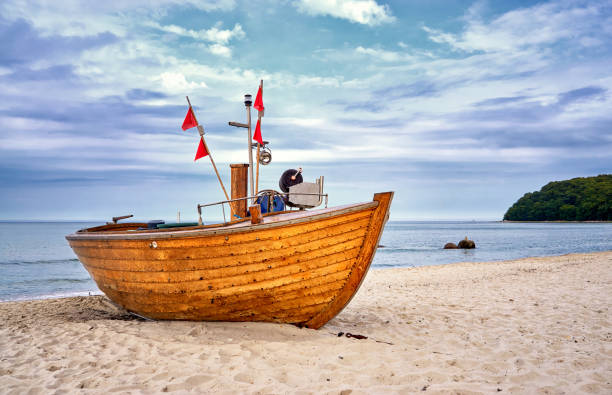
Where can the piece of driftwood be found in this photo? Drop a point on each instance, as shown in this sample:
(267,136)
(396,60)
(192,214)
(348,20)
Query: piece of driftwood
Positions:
(299,267)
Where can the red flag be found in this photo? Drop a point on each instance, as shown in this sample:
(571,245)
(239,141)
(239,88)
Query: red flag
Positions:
(259,101)
(202,152)
(190,120)
(257,135)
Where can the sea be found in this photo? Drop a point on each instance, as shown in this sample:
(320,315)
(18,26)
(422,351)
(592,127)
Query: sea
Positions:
(36,261)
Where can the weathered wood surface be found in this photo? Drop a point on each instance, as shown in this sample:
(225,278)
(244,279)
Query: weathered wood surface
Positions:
(256,216)
(297,268)
(239,186)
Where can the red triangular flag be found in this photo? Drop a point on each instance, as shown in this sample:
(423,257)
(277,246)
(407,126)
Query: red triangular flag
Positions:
(259,101)
(201,150)
(190,120)
(257,135)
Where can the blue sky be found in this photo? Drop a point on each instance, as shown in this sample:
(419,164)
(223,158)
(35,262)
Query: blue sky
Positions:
(459,106)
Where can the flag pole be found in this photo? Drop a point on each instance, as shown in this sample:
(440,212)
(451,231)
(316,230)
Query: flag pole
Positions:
(201,130)
(258,145)
(248,110)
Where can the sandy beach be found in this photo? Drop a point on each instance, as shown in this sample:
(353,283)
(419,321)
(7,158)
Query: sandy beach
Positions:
(535,325)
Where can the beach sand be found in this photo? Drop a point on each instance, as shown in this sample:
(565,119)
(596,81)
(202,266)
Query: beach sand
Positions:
(535,325)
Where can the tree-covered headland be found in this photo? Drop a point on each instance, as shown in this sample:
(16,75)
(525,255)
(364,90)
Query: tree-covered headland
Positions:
(578,199)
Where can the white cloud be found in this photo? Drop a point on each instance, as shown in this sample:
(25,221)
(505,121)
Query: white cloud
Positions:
(214,34)
(28,124)
(176,82)
(590,41)
(366,12)
(380,54)
(145,62)
(295,121)
(73,18)
(220,50)
(224,36)
(218,37)
(371,54)
(525,27)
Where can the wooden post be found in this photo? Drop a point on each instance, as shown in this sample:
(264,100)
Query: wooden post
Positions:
(239,188)
(256,216)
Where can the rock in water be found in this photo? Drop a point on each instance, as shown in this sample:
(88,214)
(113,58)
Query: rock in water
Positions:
(465,243)
(450,246)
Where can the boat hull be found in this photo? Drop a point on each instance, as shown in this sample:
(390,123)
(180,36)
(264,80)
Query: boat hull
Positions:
(300,268)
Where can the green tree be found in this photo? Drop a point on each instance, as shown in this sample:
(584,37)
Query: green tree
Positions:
(578,199)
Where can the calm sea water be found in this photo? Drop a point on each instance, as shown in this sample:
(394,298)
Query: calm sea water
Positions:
(36,261)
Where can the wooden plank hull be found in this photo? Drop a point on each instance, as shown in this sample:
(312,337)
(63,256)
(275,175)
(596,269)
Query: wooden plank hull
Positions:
(298,267)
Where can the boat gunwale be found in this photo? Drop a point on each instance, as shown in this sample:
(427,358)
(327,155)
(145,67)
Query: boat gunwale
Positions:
(228,229)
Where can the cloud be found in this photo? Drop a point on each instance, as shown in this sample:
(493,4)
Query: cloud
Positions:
(366,12)
(218,37)
(369,106)
(220,50)
(497,101)
(538,25)
(214,34)
(52,73)
(581,94)
(143,94)
(72,18)
(21,43)
(400,91)
(100,94)
(387,56)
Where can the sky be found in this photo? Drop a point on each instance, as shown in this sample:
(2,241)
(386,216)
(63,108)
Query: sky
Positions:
(460,107)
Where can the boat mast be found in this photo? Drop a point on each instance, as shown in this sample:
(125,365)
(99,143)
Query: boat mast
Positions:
(247,103)
(259,114)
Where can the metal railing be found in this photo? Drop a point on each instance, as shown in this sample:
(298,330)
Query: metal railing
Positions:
(270,194)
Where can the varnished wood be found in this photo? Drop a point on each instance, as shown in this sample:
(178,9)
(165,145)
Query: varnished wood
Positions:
(256,216)
(294,267)
(366,255)
(239,176)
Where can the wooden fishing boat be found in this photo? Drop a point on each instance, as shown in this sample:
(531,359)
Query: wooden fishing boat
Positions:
(299,267)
